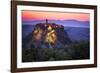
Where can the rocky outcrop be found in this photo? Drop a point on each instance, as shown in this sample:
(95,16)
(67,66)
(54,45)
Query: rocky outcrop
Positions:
(47,35)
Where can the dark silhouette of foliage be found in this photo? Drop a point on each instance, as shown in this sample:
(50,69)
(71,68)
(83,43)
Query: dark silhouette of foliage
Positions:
(80,50)
(75,51)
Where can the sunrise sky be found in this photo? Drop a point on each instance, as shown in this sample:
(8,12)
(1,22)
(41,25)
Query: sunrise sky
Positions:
(39,15)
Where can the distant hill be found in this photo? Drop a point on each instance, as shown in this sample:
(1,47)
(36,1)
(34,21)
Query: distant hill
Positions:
(78,33)
(26,30)
(67,23)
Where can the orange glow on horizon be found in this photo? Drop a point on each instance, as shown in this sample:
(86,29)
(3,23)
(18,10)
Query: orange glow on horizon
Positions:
(39,15)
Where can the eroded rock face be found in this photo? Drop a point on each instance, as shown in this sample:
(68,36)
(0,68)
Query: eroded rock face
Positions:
(47,35)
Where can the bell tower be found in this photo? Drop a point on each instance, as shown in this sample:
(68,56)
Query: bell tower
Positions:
(46,21)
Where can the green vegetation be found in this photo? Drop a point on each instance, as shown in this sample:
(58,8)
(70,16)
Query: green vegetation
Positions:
(74,51)
(81,50)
